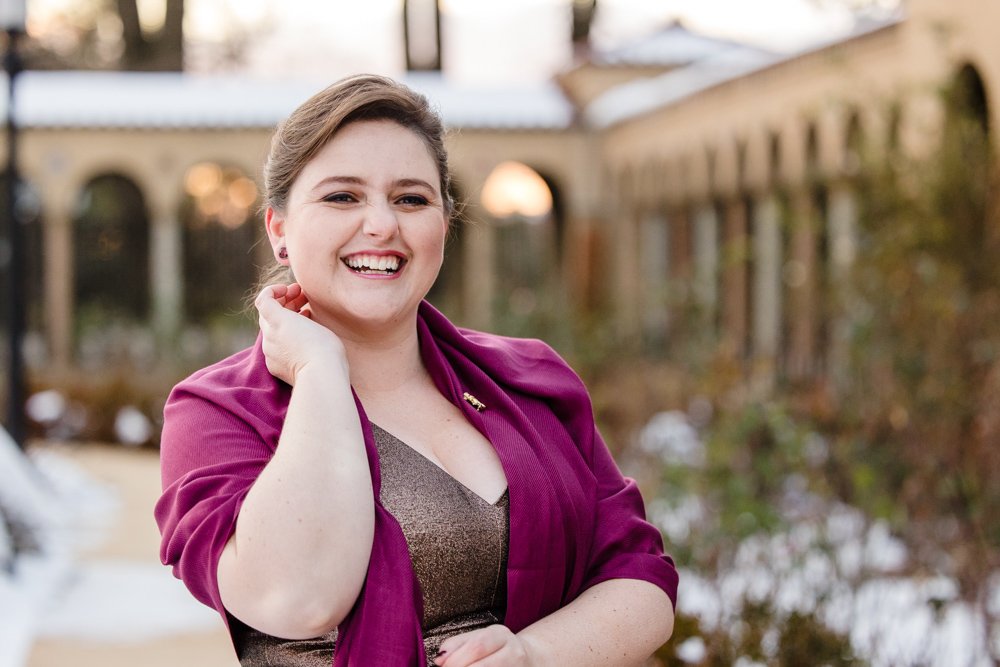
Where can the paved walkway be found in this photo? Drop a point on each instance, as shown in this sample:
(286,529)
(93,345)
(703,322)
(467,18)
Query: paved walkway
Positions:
(131,545)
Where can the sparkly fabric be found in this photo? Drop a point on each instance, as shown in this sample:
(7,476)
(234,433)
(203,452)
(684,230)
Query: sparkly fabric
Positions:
(575,520)
(457,542)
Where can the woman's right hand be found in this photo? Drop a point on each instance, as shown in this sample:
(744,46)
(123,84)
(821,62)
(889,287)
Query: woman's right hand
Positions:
(291,339)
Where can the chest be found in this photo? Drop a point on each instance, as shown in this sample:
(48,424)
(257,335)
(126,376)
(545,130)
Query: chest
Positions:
(437,430)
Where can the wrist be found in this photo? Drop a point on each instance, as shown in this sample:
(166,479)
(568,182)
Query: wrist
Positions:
(534,651)
(324,368)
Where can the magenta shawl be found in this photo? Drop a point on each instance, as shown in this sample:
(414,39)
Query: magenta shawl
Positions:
(574,519)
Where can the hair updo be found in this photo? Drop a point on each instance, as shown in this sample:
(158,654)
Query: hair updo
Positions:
(302,135)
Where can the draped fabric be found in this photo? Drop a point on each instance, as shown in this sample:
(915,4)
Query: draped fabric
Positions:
(575,521)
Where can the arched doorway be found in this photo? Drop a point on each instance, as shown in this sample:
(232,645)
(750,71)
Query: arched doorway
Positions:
(111,253)
(528,233)
(967,175)
(221,227)
(967,100)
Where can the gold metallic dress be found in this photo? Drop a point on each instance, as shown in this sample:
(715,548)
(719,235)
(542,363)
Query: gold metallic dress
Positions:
(458,545)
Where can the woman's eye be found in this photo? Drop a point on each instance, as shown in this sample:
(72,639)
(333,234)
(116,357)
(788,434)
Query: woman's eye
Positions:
(412,200)
(340,198)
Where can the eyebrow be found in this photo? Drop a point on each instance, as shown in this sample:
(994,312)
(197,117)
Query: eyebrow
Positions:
(354,180)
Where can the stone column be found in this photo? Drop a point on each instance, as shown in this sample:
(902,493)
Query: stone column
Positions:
(842,229)
(628,275)
(766,316)
(57,279)
(679,223)
(653,263)
(706,261)
(578,265)
(800,278)
(679,263)
(166,267)
(478,274)
(734,277)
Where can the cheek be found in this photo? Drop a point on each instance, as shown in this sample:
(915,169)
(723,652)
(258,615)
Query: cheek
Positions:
(440,237)
(317,236)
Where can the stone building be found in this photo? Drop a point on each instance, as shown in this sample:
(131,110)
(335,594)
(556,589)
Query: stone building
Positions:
(734,177)
(677,170)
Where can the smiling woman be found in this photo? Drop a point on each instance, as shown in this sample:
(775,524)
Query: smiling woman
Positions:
(369,484)
(368,199)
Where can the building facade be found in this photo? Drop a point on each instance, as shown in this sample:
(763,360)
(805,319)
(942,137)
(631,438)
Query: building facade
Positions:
(695,184)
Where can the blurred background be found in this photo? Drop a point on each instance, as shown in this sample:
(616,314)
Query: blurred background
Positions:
(765,233)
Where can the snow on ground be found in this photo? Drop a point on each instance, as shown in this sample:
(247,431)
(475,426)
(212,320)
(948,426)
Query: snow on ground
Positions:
(47,591)
(831,560)
(124,601)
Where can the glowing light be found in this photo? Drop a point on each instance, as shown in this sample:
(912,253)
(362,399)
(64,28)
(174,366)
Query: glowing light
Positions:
(203,179)
(515,189)
(243,192)
(221,195)
(152,14)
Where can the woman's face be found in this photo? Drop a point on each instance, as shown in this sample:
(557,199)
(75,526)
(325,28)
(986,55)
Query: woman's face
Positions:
(364,227)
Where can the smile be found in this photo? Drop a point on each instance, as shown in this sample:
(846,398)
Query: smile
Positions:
(379,265)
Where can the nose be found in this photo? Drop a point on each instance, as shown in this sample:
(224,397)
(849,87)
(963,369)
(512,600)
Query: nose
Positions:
(380,220)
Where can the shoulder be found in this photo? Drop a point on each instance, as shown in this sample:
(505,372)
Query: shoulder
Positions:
(531,367)
(526,365)
(229,411)
(245,367)
(237,388)
(522,351)
(242,377)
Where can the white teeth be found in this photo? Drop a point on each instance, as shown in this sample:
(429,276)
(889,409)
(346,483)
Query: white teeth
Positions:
(373,262)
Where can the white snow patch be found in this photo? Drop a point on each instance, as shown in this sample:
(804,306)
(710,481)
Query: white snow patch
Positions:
(48,592)
(832,561)
(118,601)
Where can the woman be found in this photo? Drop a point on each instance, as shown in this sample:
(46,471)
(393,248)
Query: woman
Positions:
(370,485)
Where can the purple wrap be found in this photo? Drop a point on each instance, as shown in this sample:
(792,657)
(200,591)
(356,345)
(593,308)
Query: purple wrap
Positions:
(574,519)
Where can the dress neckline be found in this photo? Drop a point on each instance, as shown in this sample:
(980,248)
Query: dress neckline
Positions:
(499,502)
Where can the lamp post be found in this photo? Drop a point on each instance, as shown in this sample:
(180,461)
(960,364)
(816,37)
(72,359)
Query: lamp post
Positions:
(12,21)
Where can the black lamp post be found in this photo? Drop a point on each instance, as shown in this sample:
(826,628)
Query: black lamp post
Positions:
(12,20)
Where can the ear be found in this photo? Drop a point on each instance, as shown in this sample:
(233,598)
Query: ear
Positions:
(274,223)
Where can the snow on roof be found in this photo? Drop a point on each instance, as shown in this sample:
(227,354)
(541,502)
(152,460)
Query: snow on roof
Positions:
(178,100)
(733,62)
(645,95)
(673,45)
(535,106)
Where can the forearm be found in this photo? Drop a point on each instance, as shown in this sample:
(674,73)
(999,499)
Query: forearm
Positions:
(618,622)
(300,551)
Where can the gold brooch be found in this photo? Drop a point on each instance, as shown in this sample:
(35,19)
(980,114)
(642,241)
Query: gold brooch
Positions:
(474,402)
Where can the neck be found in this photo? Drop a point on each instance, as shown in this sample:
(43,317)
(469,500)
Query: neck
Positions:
(385,363)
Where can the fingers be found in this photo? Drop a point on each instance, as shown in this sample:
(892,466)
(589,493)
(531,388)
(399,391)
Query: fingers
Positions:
(295,298)
(290,297)
(493,645)
(290,337)
(268,293)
